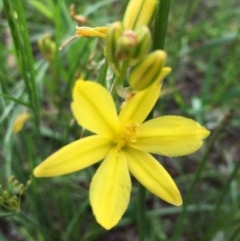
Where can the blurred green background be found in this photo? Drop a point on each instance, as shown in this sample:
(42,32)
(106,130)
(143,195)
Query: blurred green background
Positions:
(203,46)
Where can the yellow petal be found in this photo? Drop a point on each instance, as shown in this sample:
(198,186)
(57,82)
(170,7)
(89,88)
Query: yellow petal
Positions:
(151,174)
(139,13)
(137,108)
(74,157)
(94,109)
(164,72)
(110,190)
(170,136)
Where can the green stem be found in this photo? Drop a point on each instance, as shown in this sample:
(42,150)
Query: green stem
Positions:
(161,22)
(21,39)
(141,213)
(103,74)
(16,100)
(119,80)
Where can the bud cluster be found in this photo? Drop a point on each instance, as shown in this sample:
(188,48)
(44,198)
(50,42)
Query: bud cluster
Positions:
(127,46)
(128,43)
(10,198)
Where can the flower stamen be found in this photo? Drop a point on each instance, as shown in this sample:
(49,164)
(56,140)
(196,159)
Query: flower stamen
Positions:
(127,135)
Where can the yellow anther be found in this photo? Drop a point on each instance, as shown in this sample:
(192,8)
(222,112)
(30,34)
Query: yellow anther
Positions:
(128,135)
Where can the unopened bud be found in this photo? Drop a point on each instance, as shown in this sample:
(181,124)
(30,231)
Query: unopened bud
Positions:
(114,33)
(144,41)
(139,13)
(129,45)
(133,45)
(11,178)
(77,17)
(18,125)
(147,70)
(48,47)
(5,194)
(126,44)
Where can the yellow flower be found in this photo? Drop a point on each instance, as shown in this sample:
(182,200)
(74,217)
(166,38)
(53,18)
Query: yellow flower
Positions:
(20,121)
(123,142)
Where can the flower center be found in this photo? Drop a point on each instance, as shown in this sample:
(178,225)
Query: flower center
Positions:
(126,135)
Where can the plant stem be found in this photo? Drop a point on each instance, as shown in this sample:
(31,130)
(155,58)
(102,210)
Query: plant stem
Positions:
(161,22)
(141,213)
(21,39)
(119,80)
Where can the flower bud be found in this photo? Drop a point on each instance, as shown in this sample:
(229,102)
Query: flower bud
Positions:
(114,32)
(129,45)
(77,17)
(20,121)
(144,41)
(139,13)
(133,45)
(48,47)
(125,46)
(147,70)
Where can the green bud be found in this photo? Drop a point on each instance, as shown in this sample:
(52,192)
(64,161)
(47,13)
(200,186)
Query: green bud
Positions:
(5,194)
(29,182)
(21,189)
(147,70)
(11,178)
(126,45)
(15,183)
(13,203)
(48,47)
(144,42)
(114,33)
(133,45)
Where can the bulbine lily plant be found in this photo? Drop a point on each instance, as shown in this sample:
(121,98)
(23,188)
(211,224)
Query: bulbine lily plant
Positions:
(123,138)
